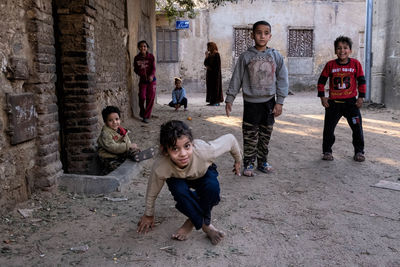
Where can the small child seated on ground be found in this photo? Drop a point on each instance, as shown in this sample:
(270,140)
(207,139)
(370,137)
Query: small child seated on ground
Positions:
(114,145)
(187,166)
(178,96)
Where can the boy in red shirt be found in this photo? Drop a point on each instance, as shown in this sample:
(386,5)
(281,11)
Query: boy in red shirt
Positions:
(345,77)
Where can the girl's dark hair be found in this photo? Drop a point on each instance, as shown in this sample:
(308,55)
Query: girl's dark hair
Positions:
(143,41)
(172,131)
(261,22)
(108,110)
(343,39)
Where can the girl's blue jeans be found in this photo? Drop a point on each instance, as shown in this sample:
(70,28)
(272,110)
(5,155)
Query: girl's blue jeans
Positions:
(196,198)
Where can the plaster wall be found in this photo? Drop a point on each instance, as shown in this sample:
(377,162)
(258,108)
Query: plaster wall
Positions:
(141,23)
(111,57)
(385,75)
(192,45)
(328,19)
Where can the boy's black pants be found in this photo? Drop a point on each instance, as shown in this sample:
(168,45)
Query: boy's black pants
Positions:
(333,113)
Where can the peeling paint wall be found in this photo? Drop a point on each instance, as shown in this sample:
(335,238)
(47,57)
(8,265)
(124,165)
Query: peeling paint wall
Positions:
(328,19)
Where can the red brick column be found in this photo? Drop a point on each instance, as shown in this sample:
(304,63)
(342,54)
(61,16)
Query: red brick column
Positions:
(77,95)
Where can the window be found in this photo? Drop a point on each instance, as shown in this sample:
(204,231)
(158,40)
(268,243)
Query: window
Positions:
(300,43)
(167,45)
(242,40)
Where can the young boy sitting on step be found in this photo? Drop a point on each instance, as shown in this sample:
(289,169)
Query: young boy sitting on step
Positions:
(114,145)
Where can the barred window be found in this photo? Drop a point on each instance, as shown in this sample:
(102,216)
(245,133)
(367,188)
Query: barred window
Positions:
(242,40)
(167,45)
(300,43)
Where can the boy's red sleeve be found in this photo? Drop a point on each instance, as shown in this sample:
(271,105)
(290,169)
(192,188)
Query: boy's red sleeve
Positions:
(323,78)
(361,82)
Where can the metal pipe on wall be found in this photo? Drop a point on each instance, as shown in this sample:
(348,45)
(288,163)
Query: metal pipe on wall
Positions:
(368,46)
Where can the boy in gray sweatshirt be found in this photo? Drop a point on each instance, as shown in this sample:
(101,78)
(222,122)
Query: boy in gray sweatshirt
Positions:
(263,77)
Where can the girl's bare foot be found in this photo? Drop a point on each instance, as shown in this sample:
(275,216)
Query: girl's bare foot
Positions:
(213,233)
(184,231)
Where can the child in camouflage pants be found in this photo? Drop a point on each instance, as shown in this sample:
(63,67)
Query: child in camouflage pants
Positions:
(261,73)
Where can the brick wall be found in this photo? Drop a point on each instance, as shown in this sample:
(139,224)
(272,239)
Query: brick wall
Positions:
(26,37)
(42,84)
(76,85)
(93,74)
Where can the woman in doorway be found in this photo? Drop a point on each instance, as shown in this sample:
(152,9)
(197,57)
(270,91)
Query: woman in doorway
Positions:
(144,66)
(213,77)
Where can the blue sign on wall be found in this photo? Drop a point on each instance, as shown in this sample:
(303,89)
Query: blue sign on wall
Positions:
(182,24)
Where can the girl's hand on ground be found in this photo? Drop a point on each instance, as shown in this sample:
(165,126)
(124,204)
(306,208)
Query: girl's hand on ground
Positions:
(228,108)
(145,224)
(236,168)
(359,102)
(133,146)
(324,102)
(277,110)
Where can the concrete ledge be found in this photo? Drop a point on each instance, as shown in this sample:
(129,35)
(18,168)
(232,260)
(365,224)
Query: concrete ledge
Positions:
(94,184)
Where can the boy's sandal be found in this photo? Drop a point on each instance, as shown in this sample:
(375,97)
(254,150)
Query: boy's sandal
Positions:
(145,154)
(327,156)
(265,167)
(248,170)
(359,157)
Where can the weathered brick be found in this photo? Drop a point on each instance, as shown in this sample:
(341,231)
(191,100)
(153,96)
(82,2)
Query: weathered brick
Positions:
(44,58)
(80,99)
(44,68)
(85,77)
(88,121)
(45,150)
(49,138)
(40,88)
(80,113)
(43,120)
(79,92)
(80,107)
(80,129)
(50,128)
(82,85)
(78,137)
(45,160)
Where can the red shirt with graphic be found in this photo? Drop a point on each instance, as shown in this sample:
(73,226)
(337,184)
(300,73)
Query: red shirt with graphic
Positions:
(344,80)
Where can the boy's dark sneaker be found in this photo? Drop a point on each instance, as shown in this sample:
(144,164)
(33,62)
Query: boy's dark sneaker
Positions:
(264,167)
(327,156)
(248,170)
(359,157)
(145,120)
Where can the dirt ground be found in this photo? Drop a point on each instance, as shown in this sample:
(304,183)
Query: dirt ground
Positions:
(308,212)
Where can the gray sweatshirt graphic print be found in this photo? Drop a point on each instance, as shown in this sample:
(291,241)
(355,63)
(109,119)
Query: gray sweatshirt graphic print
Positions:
(262,75)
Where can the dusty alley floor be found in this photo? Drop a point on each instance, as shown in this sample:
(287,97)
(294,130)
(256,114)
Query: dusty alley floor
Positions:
(307,213)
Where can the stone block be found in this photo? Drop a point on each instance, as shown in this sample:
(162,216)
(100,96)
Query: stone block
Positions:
(117,180)
(45,150)
(17,69)
(44,58)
